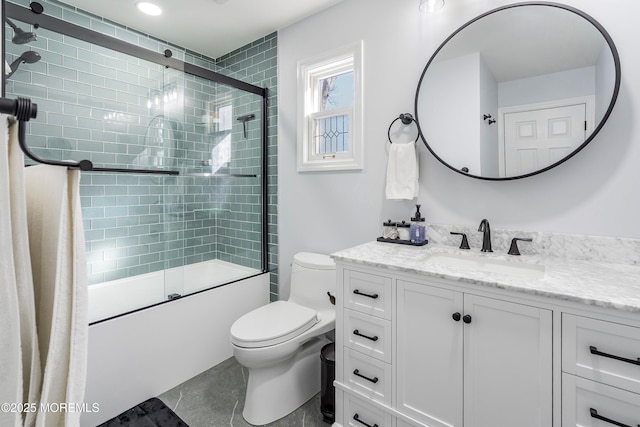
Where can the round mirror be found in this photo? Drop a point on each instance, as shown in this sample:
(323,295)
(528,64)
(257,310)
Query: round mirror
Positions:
(517,90)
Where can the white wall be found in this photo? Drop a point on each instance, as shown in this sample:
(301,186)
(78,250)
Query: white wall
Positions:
(453,86)
(489,165)
(592,193)
(548,87)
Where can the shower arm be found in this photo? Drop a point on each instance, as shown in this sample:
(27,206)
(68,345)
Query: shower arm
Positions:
(11,24)
(24,110)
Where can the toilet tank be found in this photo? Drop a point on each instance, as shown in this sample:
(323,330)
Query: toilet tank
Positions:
(312,276)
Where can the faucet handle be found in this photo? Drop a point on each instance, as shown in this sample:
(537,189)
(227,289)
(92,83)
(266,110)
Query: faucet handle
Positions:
(464,244)
(513,249)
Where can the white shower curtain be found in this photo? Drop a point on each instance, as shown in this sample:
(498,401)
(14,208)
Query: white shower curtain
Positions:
(45,309)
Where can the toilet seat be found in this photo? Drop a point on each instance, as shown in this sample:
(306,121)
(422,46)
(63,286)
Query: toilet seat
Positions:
(272,324)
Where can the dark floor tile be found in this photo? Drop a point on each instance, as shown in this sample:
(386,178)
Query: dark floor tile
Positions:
(215,398)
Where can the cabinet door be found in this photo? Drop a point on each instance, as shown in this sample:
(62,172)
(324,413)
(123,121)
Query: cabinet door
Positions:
(429,354)
(507,364)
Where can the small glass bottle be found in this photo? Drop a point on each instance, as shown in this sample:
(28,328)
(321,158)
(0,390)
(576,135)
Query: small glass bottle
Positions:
(417,230)
(389,230)
(403,230)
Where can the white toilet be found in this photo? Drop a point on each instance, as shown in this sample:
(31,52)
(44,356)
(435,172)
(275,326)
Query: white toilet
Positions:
(280,343)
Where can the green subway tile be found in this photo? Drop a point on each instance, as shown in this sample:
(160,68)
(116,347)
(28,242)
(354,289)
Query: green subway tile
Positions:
(78,133)
(134,271)
(138,250)
(79,88)
(76,64)
(98,201)
(32,91)
(65,50)
(101,267)
(111,211)
(127,262)
(102,27)
(102,71)
(61,95)
(127,36)
(63,72)
(115,232)
(103,158)
(116,84)
(103,223)
(139,230)
(100,92)
(127,241)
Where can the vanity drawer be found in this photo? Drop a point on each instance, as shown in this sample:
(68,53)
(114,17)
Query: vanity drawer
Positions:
(367,334)
(368,376)
(368,293)
(359,413)
(588,403)
(602,351)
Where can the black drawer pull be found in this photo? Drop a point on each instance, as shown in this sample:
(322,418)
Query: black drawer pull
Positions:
(373,338)
(357,418)
(372,296)
(595,351)
(357,373)
(594,414)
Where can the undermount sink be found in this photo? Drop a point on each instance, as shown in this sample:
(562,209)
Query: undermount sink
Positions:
(472,262)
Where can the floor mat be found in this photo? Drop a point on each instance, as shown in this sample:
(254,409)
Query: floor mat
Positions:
(150,413)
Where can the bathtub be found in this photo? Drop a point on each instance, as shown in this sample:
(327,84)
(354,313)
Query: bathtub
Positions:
(120,296)
(144,353)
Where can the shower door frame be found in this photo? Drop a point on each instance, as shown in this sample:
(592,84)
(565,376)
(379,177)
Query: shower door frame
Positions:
(51,23)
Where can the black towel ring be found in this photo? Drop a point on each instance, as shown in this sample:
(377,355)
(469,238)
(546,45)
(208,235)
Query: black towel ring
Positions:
(406,119)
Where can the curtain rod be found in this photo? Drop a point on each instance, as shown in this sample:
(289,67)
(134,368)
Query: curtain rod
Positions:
(24,110)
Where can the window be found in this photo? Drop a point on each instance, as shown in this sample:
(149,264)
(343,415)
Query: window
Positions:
(330,111)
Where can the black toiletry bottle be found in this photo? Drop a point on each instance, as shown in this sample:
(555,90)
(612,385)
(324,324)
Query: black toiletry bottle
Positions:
(417,230)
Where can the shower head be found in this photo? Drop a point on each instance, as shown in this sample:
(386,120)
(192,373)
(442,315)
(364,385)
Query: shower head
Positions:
(28,57)
(19,35)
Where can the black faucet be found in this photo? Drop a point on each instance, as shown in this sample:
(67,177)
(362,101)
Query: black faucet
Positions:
(486,237)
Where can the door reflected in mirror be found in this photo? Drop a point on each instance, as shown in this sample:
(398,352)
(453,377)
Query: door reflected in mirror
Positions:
(517,90)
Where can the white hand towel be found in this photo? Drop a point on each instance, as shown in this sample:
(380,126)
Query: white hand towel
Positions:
(402,172)
(58,259)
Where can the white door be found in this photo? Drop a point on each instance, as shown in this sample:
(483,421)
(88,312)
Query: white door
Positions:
(538,138)
(507,364)
(429,354)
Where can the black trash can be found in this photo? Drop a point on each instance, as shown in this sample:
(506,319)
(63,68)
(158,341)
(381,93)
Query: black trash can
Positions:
(327,375)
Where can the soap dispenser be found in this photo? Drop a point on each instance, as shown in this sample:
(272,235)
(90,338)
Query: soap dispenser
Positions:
(417,230)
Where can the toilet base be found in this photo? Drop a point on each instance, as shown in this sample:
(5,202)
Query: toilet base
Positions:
(275,391)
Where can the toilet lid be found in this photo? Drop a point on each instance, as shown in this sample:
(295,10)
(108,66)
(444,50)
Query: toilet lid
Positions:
(314,261)
(272,324)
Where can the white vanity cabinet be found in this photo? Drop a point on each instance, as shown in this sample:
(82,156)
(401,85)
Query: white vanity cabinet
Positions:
(448,344)
(413,351)
(454,347)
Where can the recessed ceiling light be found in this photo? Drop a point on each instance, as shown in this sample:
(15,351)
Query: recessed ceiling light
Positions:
(149,8)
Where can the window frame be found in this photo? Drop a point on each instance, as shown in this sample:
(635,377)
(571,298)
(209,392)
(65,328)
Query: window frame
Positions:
(310,72)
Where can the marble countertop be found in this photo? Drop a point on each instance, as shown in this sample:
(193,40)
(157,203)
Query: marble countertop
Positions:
(599,284)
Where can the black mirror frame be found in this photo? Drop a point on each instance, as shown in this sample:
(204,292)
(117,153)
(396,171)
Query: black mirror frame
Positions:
(605,117)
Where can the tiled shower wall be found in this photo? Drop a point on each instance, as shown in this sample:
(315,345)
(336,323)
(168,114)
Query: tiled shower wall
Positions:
(257,63)
(97,104)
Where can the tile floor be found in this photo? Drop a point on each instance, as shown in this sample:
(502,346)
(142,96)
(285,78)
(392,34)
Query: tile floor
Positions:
(215,398)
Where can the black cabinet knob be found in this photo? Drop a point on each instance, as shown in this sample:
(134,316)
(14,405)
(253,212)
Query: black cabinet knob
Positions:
(456,316)
(466,318)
